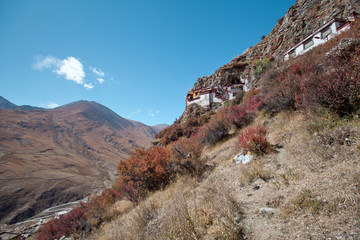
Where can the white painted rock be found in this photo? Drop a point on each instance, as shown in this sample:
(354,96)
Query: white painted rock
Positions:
(244,159)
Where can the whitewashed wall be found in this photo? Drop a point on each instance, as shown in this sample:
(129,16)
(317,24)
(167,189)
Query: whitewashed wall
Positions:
(317,39)
(203,101)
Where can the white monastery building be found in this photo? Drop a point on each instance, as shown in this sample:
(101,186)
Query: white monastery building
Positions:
(329,30)
(206,97)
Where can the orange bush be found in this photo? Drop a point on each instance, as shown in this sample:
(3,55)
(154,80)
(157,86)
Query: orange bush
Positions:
(216,129)
(186,156)
(146,167)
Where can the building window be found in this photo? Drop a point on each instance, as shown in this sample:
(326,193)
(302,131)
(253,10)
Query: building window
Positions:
(308,44)
(326,33)
(292,53)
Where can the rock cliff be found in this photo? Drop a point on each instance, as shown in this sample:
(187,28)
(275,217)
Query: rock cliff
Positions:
(302,19)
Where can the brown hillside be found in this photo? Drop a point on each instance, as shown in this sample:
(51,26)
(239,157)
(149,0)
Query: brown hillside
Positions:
(55,156)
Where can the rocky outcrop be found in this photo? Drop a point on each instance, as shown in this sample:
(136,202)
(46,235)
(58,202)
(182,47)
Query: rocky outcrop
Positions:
(345,44)
(302,19)
(192,111)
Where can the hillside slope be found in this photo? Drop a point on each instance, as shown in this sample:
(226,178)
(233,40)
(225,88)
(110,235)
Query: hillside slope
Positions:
(302,19)
(299,134)
(305,189)
(49,157)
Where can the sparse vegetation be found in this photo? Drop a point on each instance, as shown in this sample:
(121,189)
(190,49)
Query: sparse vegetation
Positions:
(312,108)
(242,115)
(254,170)
(253,139)
(216,129)
(262,65)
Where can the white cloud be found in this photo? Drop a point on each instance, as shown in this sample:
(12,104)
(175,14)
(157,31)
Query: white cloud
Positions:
(48,104)
(72,69)
(98,72)
(100,80)
(52,105)
(88,86)
(134,113)
(48,62)
(152,113)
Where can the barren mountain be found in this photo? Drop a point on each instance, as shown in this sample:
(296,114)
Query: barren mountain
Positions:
(49,157)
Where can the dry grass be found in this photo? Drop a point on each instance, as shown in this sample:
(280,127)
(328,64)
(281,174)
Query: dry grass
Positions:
(312,184)
(211,213)
(254,170)
(324,197)
(184,210)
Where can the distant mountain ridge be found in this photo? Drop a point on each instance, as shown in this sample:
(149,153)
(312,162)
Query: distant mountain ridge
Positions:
(54,156)
(5,104)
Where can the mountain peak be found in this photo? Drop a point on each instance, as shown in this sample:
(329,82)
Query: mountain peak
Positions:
(6,104)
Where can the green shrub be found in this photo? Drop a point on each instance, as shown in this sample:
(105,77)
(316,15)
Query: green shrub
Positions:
(261,65)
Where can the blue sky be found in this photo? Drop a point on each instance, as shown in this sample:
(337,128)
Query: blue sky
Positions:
(136,57)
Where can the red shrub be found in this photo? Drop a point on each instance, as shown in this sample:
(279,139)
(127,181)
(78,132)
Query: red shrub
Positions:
(250,93)
(253,139)
(170,134)
(238,116)
(336,86)
(129,190)
(98,207)
(241,115)
(295,68)
(149,168)
(65,225)
(280,90)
